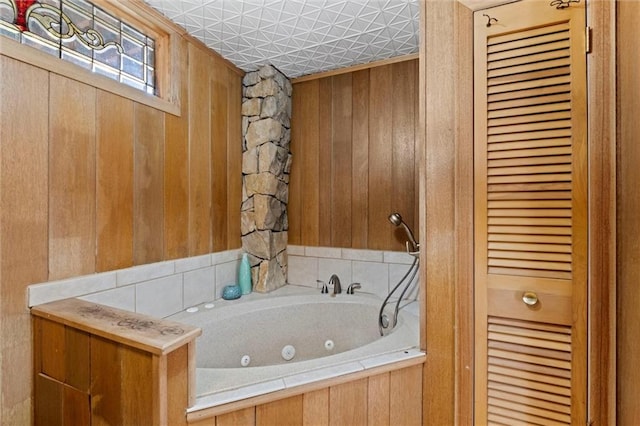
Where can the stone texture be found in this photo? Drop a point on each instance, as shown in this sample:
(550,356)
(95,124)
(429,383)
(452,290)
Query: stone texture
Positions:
(262,131)
(272,159)
(282,192)
(251,78)
(269,107)
(270,277)
(266,164)
(250,161)
(263,89)
(258,243)
(267,72)
(252,107)
(262,183)
(268,211)
(247,222)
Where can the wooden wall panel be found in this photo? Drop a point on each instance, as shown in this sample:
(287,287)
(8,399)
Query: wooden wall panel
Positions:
(219,132)
(315,407)
(307,152)
(284,412)
(246,417)
(199,152)
(405,406)
(72,178)
(380,156)
(348,403)
(447,23)
(114,191)
(360,133)
(403,146)
(378,398)
(341,154)
(105,382)
(148,221)
(360,160)
(325,160)
(176,167)
(294,209)
(234,159)
(628,244)
(91,182)
(24,148)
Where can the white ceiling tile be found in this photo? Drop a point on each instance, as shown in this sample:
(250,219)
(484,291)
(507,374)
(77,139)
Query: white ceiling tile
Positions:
(299,36)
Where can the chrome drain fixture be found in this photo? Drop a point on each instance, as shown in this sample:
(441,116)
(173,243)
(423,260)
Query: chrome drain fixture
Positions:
(329,345)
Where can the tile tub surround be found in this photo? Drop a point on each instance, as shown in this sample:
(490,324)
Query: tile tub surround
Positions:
(158,289)
(377,271)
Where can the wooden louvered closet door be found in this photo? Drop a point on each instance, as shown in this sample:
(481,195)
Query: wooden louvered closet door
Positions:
(530,214)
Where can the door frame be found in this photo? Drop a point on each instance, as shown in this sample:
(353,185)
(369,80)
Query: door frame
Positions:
(446,232)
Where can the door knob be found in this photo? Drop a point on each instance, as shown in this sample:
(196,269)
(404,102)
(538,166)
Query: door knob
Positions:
(529,298)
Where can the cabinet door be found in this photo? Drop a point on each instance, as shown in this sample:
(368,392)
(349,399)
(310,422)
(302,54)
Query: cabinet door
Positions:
(530,214)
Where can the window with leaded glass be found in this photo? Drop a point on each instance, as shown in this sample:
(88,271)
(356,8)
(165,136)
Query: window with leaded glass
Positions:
(79,32)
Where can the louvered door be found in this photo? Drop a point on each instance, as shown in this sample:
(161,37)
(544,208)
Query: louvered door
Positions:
(530,214)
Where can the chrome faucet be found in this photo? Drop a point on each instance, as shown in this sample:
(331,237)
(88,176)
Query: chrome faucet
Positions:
(352,287)
(335,282)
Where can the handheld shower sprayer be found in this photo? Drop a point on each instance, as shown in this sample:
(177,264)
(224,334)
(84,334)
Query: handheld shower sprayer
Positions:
(413,247)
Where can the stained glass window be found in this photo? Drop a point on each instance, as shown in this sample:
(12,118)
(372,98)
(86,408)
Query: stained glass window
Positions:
(79,32)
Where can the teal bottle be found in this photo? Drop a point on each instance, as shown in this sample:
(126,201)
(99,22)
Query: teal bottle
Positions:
(244,275)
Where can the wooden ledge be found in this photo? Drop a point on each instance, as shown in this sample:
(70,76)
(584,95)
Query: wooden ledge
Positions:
(153,335)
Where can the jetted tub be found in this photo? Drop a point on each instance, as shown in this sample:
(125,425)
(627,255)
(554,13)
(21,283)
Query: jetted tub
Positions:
(293,336)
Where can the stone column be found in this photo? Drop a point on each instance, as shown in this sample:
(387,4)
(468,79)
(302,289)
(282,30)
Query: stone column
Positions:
(266,163)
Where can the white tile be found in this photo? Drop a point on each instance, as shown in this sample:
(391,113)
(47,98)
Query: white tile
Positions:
(295,250)
(372,276)
(121,298)
(396,272)
(380,360)
(302,270)
(73,287)
(226,274)
(225,256)
(364,255)
(142,273)
(322,374)
(238,394)
(160,297)
(328,252)
(199,286)
(398,257)
(328,267)
(191,263)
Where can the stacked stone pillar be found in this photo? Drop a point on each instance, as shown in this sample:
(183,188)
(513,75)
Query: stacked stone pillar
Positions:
(266,163)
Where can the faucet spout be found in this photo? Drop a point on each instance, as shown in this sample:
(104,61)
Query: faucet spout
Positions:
(335,282)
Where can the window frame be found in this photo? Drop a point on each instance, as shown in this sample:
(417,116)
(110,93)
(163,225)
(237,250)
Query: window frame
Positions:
(145,19)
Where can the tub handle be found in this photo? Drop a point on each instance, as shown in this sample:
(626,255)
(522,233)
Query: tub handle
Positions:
(325,289)
(352,287)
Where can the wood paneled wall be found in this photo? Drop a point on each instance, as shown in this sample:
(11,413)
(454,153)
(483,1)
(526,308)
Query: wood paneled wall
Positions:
(391,398)
(355,151)
(91,182)
(628,265)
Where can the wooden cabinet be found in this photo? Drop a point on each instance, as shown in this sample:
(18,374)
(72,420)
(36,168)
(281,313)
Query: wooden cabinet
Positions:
(103,366)
(530,214)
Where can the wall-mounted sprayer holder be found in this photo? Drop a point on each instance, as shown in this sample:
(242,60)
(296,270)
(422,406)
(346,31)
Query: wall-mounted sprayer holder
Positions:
(413,248)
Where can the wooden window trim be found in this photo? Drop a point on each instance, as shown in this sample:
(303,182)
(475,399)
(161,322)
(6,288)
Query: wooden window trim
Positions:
(168,57)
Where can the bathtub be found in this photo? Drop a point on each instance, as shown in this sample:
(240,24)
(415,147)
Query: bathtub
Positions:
(291,337)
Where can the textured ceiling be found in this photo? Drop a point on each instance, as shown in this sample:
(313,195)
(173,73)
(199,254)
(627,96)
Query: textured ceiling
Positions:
(299,37)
